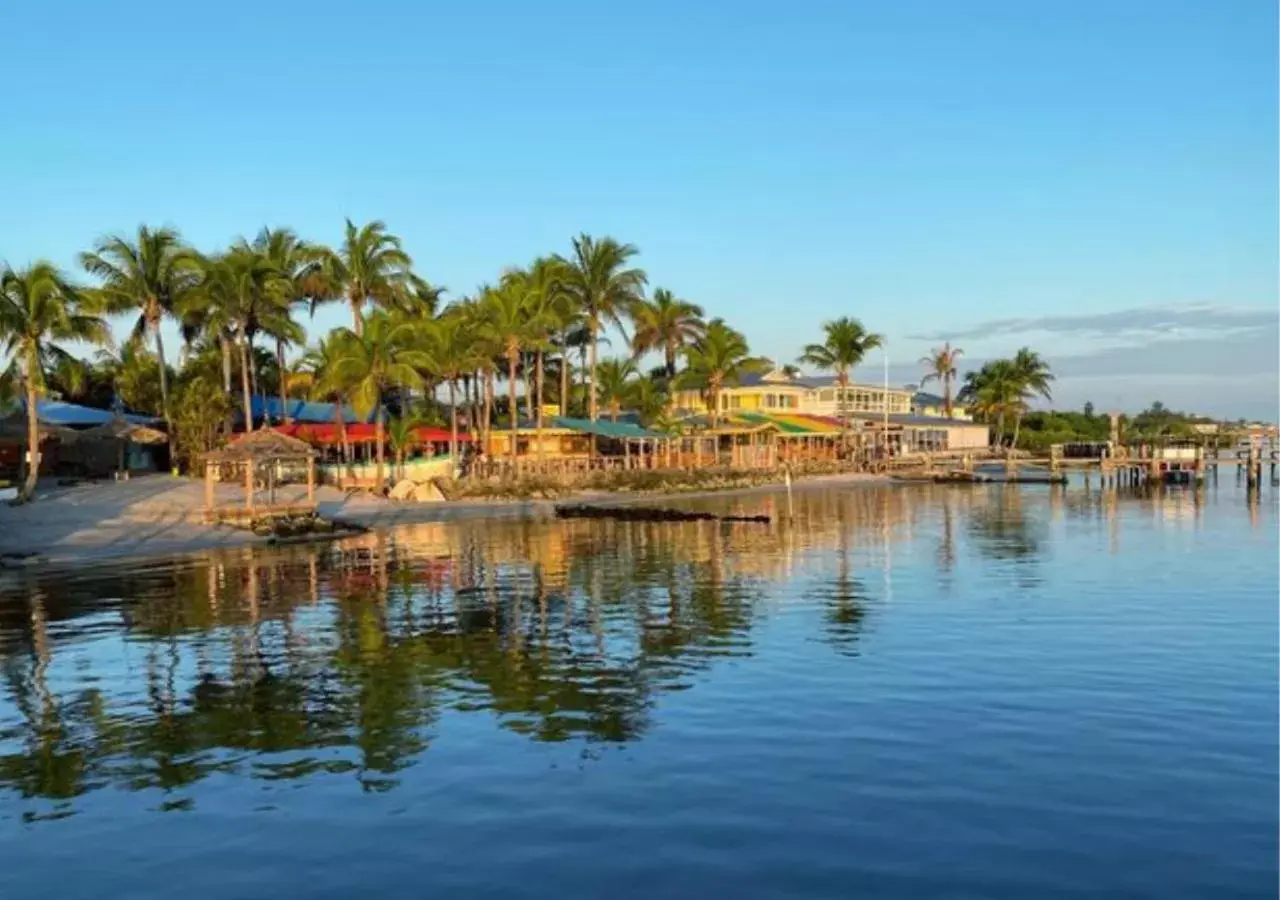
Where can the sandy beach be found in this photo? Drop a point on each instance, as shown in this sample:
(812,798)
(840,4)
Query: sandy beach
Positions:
(160,515)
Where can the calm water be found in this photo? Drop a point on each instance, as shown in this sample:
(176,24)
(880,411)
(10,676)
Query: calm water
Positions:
(913,692)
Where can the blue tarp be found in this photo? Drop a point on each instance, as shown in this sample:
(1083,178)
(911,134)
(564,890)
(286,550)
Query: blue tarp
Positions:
(303,412)
(70,415)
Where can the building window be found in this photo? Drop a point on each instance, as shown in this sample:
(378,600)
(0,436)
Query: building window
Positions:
(770,401)
(735,403)
(786,402)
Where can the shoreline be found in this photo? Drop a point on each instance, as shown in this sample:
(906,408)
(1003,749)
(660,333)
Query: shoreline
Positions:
(147,519)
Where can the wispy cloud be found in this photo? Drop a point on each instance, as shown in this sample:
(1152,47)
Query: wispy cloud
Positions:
(1212,359)
(1140,323)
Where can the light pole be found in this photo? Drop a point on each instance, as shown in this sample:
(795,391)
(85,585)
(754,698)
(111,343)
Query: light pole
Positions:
(884,401)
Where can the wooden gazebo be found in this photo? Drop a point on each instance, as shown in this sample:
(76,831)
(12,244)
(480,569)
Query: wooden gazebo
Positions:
(263,452)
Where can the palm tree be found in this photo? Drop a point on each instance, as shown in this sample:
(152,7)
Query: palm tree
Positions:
(616,380)
(240,293)
(718,357)
(402,435)
(152,274)
(508,326)
(603,288)
(452,347)
(132,371)
(650,399)
(941,367)
(369,267)
(298,266)
(419,299)
(39,307)
(384,354)
(320,363)
(550,309)
(665,323)
(1033,378)
(846,343)
(993,392)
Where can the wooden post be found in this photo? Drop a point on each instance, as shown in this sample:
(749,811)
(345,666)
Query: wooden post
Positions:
(208,491)
(248,485)
(311,480)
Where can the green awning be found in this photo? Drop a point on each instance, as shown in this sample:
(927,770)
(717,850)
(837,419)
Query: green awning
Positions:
(616,430)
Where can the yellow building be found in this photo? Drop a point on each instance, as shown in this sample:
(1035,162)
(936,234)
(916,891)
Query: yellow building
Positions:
(926,404)
(816,396)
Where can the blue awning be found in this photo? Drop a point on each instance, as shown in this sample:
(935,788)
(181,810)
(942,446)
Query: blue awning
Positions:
(304,412)
(71,415)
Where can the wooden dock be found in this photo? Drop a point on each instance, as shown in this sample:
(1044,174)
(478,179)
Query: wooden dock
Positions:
(1178,463)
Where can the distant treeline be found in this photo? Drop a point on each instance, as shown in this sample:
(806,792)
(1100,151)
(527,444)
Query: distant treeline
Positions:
(1040,430)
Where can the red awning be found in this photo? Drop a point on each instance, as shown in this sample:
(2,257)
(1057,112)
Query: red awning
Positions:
(362,433)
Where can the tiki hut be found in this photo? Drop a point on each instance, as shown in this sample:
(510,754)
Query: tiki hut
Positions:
(262,458)
(83,446)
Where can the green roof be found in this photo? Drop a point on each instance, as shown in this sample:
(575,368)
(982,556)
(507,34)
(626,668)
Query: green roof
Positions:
(619,430)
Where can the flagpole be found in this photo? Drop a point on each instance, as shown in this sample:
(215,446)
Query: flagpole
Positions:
(884,423)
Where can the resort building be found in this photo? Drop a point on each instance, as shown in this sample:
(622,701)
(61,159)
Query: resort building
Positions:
(926,404)
(916,421)
(777,391)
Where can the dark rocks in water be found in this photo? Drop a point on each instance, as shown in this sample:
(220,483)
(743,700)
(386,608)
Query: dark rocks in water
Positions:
(942,478)
(649,514)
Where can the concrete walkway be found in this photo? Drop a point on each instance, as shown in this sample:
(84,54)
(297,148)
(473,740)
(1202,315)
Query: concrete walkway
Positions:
(161,515)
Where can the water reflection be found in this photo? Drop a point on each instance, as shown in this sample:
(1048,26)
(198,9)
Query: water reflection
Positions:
(293,664)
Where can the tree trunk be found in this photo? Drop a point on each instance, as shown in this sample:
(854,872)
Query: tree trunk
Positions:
(537,388)
(842,388)
(511,396)
(564,374)
(252,363)
(488,407)
(283,376)
(32,465)
(453,421)
(225,344)
(1017,426)
(714,396)
(357,318)
(378,446)
(671,360)
(528,393)
(164,386)
(1000,429)
(946,395)
(341,419)
(245,388)
(592,409)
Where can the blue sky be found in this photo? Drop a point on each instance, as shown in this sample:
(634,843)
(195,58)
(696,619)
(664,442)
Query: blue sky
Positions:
(934,168)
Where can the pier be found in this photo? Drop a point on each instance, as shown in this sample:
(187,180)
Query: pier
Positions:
(1146,464)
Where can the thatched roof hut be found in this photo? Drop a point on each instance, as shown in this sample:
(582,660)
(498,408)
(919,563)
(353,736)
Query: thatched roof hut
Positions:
(263,446)
(122,430)
(252,451)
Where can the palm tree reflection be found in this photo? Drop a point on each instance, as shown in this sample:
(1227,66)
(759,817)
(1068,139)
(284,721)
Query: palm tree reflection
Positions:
(300,662)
